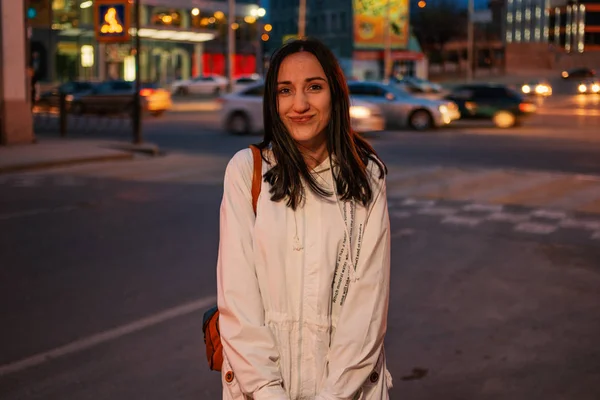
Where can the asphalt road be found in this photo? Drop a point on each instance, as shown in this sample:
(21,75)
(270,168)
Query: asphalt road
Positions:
(107,268)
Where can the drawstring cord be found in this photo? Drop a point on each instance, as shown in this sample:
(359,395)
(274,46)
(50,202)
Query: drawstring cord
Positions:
(297,245)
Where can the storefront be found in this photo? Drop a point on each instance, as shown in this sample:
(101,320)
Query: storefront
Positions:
(173,41)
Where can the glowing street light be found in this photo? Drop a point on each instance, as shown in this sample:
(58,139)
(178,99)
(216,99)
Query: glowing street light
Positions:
(422,4)
(195,12)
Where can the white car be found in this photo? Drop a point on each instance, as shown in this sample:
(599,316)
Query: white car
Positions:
(402,109)
(242,112)
(211,84)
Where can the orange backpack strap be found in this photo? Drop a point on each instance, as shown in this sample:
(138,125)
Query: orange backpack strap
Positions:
(256,176)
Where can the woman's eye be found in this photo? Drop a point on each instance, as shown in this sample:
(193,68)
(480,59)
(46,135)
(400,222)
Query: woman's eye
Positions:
(283,91)
(315,87)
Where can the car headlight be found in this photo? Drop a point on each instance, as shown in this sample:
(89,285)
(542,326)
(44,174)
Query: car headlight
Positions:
(542,89)
(582,88)
(526,89)
(443,109)
(359,112)
(69,97)
(596,88)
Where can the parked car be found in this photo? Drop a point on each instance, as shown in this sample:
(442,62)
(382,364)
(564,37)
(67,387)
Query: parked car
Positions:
(537,88)
(51,99)
(115,97)
(589,86)
(242,112)
(578,73)
(211,84)
(503,106)
(401,109)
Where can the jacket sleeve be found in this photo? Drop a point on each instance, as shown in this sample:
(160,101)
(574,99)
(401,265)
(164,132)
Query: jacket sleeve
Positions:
(247,343)
(362,323)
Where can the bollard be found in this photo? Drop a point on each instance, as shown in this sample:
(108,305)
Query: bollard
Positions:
(62,114)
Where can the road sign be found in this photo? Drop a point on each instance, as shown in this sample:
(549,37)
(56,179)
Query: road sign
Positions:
(112,20)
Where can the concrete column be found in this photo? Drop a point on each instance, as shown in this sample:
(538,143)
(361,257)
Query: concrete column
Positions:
(15,115)
(198,53)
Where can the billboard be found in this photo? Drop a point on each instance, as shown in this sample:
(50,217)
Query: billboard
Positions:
(369,23)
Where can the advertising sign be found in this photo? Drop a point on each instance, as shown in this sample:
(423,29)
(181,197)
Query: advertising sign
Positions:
(370,19)
(112,20)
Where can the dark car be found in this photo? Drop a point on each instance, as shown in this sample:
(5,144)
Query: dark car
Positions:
(51,98)
(578,73)
(116,97)
(504,106)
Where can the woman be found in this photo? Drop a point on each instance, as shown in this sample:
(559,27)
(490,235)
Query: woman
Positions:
(303,287)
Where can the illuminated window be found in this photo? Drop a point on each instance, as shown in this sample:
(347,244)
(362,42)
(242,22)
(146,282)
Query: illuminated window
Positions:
(509,37)
(528,14)
(517,36)
(538,12)
(527,35)
(519,16)
(509,18)
(538,34)
(87,56)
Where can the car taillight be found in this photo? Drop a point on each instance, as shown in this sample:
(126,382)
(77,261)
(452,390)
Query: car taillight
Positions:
(527,107)
(146,92)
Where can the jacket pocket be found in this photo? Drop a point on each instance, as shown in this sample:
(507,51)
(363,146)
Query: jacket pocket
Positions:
(231,387)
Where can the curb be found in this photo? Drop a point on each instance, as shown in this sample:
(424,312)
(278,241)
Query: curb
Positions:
(64,162)
(146,149)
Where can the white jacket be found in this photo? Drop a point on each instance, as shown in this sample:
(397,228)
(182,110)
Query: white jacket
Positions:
(283,336)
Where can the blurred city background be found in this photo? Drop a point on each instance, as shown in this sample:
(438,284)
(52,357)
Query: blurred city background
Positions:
(118,118)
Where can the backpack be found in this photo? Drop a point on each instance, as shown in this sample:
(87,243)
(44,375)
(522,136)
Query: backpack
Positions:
(210,321)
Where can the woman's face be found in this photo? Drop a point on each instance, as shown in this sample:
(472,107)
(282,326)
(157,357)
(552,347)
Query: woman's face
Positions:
(303,98)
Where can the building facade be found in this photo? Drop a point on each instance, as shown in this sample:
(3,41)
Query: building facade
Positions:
(552,34)
(354,33)
(179,39)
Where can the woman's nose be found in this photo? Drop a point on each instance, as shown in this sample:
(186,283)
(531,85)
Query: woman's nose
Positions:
(301,102)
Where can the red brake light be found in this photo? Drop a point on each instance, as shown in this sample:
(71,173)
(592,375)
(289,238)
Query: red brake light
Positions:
(527,107)
(146,92)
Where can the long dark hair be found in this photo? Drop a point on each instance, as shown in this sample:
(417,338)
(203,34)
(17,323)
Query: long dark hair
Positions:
(349,150)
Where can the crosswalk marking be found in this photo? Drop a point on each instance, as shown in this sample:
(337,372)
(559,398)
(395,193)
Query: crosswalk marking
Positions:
(488,190)
(532,227)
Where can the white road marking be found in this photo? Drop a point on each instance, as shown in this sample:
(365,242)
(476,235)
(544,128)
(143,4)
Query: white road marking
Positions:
(538,229)
(400,214)
(439,183)
(403,233)
(592,225)
(107,336)
(456,220)
(398,175)
(520,182)
(576,198)
(418,203)
(438,211)
(549,214)
(508,217)
(68,180)
(484,207)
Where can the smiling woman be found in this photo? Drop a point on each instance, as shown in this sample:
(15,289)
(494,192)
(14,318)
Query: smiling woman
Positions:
(303,278)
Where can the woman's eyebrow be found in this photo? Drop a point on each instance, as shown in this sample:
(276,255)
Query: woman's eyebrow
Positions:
(314,78)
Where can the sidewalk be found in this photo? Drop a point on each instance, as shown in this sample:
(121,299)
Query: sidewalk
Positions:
(49,153)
